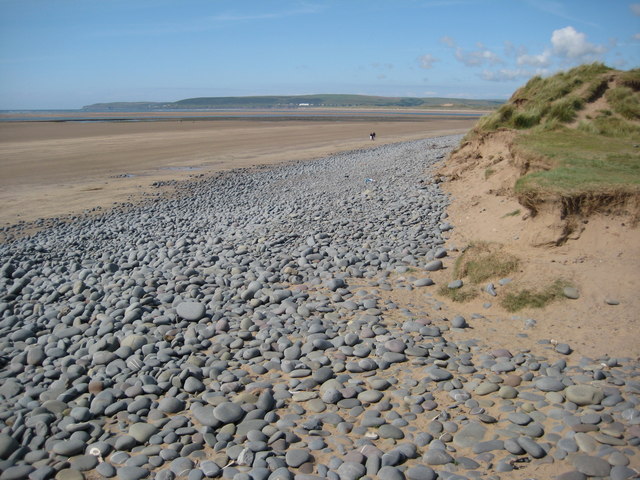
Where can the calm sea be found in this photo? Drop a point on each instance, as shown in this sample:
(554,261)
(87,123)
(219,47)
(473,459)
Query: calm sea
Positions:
(84,116)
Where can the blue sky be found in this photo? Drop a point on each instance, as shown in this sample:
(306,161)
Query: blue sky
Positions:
(70,53)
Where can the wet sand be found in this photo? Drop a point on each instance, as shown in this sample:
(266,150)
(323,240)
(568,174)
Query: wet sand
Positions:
(53,169)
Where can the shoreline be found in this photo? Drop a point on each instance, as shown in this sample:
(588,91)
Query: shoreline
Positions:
(54,169)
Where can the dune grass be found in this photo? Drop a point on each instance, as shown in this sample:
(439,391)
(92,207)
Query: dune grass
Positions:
(582,163)
(459,295)
(479,262)
(596,156)
(514,301)
(544,100)
(482,261)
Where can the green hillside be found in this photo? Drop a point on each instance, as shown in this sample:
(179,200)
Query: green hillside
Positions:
(295,101)
(577,139)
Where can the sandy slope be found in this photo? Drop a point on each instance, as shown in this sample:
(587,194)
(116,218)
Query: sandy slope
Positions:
(603,262)
(51,169)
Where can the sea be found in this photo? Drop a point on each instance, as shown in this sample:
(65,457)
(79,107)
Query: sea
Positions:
(219,114)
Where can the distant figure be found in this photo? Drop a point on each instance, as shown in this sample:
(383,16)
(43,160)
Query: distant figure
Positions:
(372,136)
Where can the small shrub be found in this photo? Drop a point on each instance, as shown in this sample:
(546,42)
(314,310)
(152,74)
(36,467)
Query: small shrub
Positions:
(488,172)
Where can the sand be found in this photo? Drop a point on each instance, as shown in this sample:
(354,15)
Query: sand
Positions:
(603,263)
(53,169)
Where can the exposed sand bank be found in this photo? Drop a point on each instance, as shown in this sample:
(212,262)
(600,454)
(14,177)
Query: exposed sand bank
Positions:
(50,169)
(601,259)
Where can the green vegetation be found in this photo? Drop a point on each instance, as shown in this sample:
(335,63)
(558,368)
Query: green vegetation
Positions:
(482,261)
(624,102)
(459,295)
(544,100)
(514,301)
(294,101)
(582,163)
(578,150)
(513,214)
(479,262)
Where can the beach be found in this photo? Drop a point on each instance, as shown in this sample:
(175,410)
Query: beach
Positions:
(287,323)
(58,168)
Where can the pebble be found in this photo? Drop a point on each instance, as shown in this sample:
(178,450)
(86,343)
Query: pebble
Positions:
(242,329)
(571,292)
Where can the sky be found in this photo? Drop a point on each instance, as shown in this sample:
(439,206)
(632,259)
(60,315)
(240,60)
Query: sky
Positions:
(64,54)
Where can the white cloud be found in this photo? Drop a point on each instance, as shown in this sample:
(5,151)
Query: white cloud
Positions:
(427,61)
(475,58)
(573,45)
(635,8)
(541,60)
(636,36)
(509,75)
(448,41)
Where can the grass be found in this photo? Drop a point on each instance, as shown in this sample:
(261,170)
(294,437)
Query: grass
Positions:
(514,301)
(512,214)
(459,295)
(488,172)
(482,261)
(549,100)
(479,262)
(581,163)
(625,102)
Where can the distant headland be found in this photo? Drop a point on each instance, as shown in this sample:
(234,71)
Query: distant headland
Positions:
(298,101)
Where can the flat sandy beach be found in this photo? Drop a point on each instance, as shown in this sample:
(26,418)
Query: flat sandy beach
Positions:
(52,169)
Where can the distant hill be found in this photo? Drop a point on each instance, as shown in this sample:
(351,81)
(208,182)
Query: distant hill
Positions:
(295,101)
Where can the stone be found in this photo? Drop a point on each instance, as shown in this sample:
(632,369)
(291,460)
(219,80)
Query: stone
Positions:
(549,384)
(437,457)
(469,435)
(171,405)
(591,466)
(17,472)
(350,471)
(420,472)
(296,457)
(531,447)
(192,311)
(584,395)
(228,412)
(433,266)
(142,431)
(390,431)
(571,292)
(8,445)
(69,447)
(390,473)
(132,473)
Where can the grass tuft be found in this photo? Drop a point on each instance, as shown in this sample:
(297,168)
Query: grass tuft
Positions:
(482,261)
(624,101)
(512,214)
(514,301)
(459,295)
